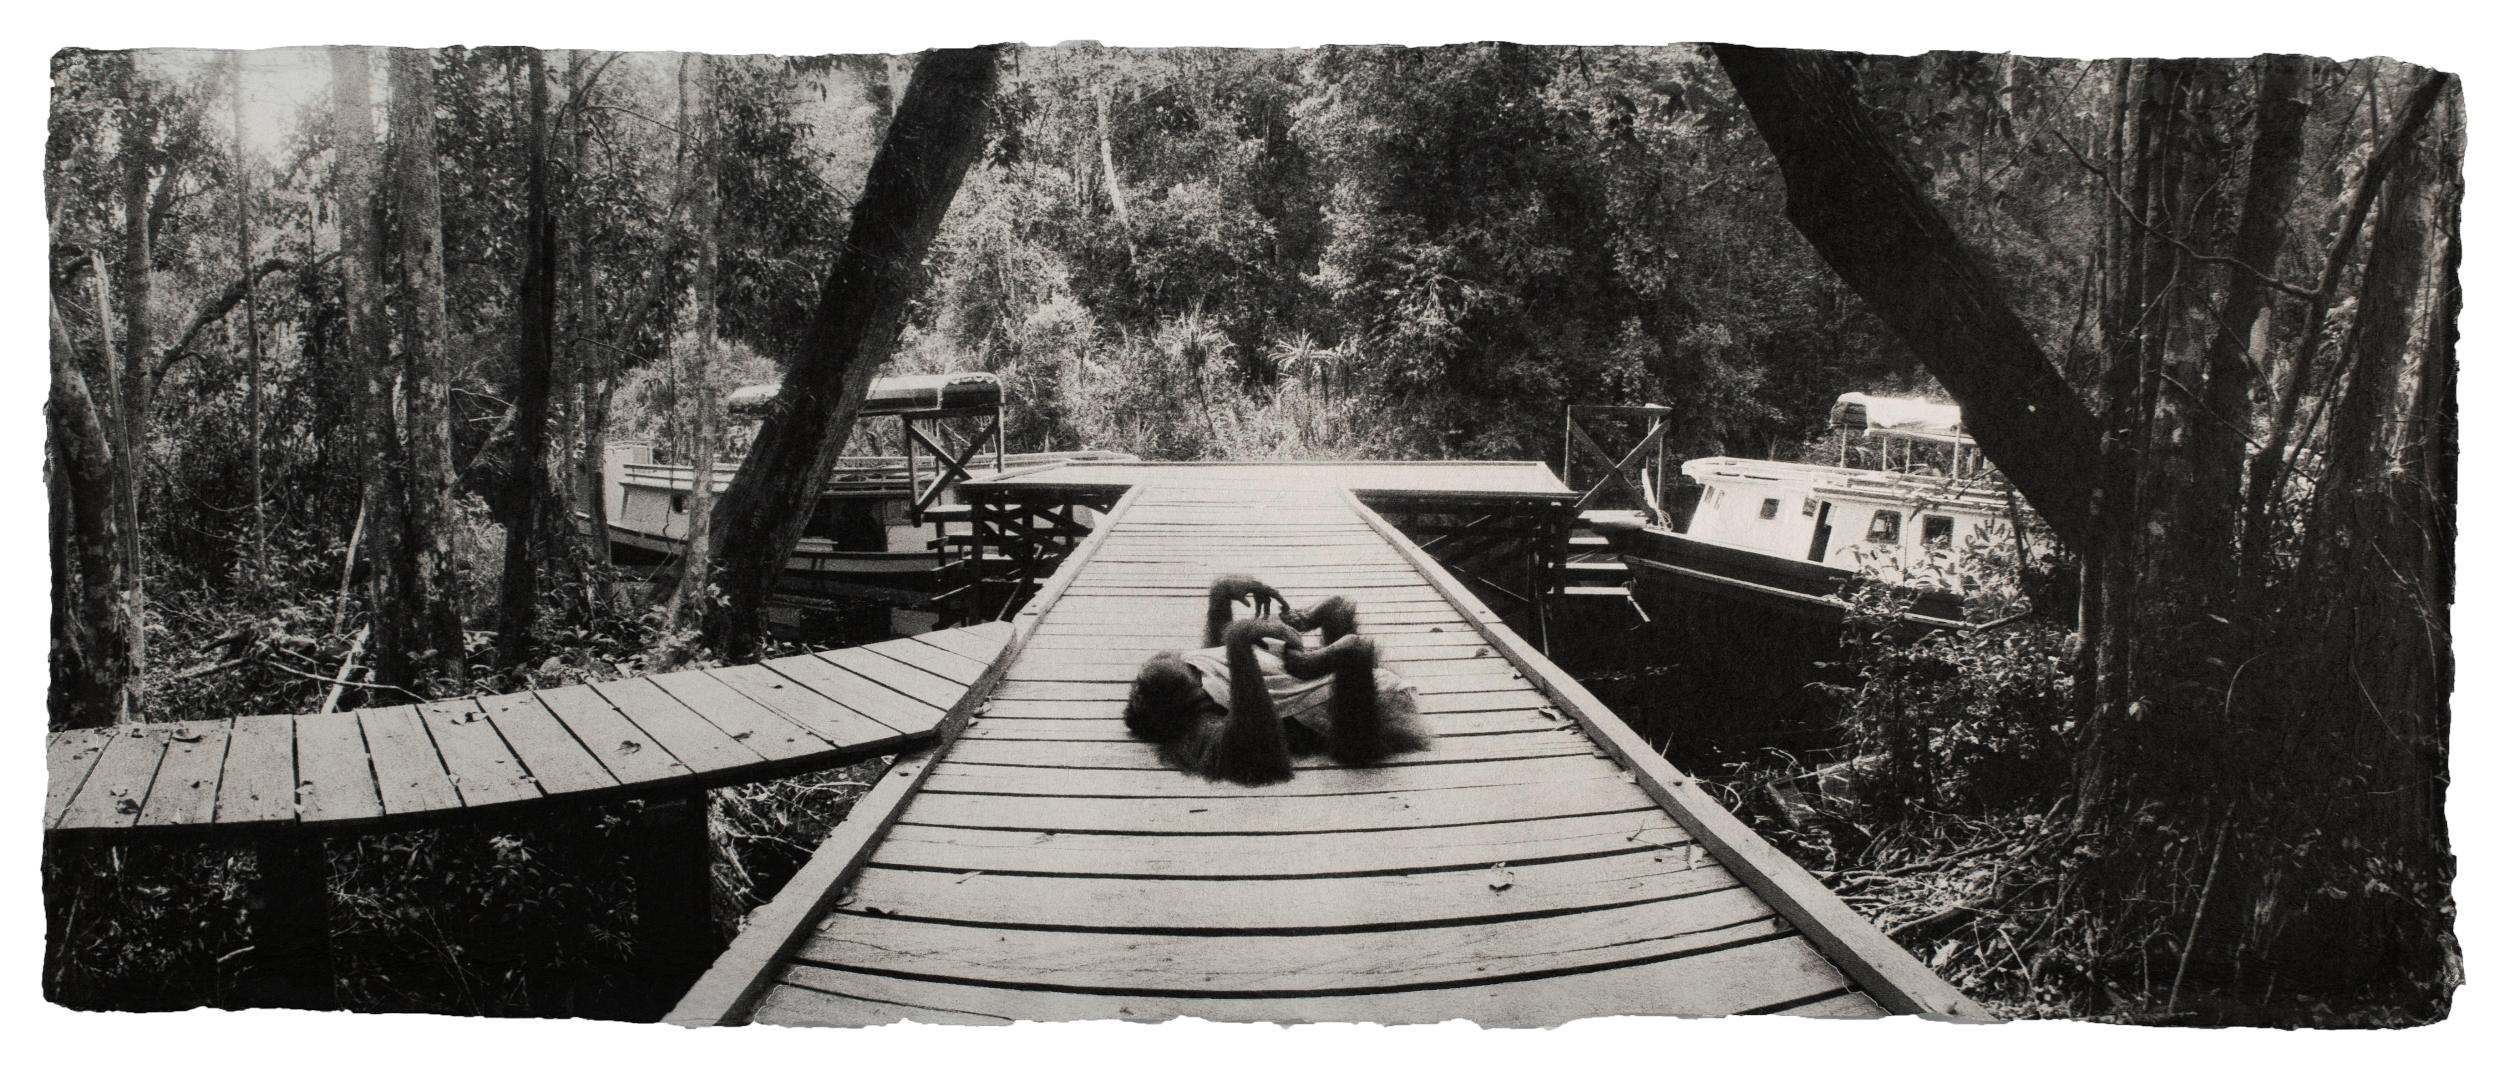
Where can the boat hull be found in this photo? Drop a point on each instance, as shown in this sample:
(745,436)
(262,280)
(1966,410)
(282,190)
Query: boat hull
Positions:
(1808,590)
(899,577)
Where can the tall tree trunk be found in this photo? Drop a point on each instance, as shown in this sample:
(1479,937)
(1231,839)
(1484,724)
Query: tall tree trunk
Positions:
(387,552)
(424,338)
(90,652)
(936,133)
(535,358)
(132,403)
(586,359)
(2234,356)
(251,335)
(1856,204)
(695,99)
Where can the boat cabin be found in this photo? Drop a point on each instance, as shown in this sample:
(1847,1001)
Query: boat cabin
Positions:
(1911,515)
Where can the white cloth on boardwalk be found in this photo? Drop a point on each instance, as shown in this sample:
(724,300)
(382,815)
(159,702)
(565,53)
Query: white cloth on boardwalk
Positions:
(1305,701)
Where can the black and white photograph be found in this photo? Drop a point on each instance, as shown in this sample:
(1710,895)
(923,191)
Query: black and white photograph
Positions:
(1512,532)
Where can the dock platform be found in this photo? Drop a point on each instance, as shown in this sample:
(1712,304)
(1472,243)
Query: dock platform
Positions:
(1539,863)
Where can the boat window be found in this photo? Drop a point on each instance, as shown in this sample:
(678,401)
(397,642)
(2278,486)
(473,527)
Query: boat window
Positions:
(1938,532)
(677,503)
(1770,509)
(1886,528)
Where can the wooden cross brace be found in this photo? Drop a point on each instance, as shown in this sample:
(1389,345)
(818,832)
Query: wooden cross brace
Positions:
(953,466)
(1623,471)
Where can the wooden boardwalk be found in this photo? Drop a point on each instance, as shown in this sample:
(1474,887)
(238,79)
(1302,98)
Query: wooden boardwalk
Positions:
(449,760)
(1538,864)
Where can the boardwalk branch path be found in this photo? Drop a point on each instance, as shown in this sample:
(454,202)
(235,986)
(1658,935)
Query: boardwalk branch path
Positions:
(1044,866)
(459,759)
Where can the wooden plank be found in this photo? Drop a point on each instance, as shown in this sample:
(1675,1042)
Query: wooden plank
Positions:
(1600,939)
(1844,1006)
(1279,814)
(1052,639)
(1888,972)
(1113,688)
(1160,783)
(1131,754)
(1281,855)
(1106,725)
(901,713)
(185,791)
(117,787)
(1287,904)
(334,777)
(406,767)
(68,757)
(837,725)
(632,756)
(791,1005)
(934,659)
(697,743)
(481,765)
(917,683)
(752,724)
(979,648)
(1730,982)
(258,783)
(557,762)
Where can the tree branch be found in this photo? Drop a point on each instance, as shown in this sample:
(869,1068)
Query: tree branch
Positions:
(218,307)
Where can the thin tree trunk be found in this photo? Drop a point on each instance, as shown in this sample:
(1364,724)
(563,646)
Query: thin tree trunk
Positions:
(586,359)
(1111,173)
(695,99)
(425,334)
(131,405)
(90,655)
(1856,204)
(535,356)
(936,134)
(251,336)
(367,333)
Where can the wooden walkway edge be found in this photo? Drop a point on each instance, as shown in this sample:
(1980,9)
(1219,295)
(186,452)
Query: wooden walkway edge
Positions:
(453,760)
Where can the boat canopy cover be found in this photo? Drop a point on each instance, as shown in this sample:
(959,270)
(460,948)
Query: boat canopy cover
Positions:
(1913,418)
(894,394)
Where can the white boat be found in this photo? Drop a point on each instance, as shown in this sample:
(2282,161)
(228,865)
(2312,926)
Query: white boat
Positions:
(1802,537)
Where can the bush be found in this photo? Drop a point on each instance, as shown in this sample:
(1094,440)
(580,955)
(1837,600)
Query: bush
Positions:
(1962,721)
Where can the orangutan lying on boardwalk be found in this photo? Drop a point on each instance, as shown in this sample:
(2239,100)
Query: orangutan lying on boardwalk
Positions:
(1258,694)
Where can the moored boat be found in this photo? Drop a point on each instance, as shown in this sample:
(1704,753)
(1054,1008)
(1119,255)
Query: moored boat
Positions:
(874,532)
(1802,539)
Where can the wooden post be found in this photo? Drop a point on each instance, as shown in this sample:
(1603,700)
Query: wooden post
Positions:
(672,869)
(290,926)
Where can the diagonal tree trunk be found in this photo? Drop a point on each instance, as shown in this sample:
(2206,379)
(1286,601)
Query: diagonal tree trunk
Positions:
(424,339)
(936,134)
(1853,201)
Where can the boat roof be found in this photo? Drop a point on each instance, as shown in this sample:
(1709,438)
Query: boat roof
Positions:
(895,394)
(1900,418)
(1826,481)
